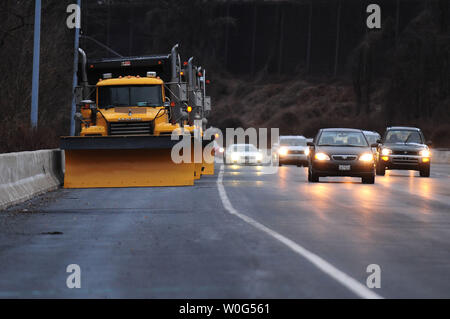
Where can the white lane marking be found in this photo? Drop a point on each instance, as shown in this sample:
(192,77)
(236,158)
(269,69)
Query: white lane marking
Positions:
(347,281)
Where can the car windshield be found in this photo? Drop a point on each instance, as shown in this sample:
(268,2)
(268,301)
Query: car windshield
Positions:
(244,148)
(293,142)
(342,138)
(372,138)
(129,95)
(403,136)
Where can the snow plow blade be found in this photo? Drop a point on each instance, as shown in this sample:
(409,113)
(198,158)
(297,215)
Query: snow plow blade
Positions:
(123,161)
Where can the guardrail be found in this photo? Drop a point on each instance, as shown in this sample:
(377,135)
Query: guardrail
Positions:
(24,175)
(440,156)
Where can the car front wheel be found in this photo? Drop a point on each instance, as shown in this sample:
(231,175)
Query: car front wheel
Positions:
(369,179)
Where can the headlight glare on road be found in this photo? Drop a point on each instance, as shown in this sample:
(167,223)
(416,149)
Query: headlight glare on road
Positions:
(283,151)
(386,152)
(425,153)
(322,157)
(234,156)
(366,157)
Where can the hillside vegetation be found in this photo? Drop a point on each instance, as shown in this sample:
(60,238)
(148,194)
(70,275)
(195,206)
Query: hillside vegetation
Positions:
(397,76)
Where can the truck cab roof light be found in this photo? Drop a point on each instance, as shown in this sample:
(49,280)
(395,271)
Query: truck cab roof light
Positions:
(107,75)
(151,74)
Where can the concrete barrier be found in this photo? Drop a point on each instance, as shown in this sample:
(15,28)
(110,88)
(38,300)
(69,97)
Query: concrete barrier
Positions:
(440,156)
(27,174)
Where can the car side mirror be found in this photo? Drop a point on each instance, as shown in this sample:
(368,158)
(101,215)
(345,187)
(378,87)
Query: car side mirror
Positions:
(429,143)
(310,144)
(379,141)
(374,145)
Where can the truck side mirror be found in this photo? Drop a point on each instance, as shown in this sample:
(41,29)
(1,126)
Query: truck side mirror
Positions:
(379,141)
(374,145)
(78,117)
(310,144)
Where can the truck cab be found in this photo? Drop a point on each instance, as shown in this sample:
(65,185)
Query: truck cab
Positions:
(128,105)
(404,148)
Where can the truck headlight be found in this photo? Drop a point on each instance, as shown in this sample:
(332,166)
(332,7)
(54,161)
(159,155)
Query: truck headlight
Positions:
(322,157)
(386,152)
(307,151)
(425,153)
(366,157)
(283,151)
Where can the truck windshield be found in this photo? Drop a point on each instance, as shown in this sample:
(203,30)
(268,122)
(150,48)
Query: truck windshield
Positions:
(403,136)
(293,142)
(244,148)
(129,95)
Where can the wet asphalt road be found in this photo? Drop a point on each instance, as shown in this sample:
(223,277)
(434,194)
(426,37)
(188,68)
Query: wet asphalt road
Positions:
(181,242)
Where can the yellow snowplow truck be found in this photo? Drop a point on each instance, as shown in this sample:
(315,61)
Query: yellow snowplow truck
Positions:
(125,121)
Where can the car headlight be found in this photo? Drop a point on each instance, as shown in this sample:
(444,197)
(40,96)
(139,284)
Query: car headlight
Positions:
(366,157)
(259,157)
(234,156)
(425,153)
(221,150)
(386,152)
(307,151)
(322,157)
(283,151)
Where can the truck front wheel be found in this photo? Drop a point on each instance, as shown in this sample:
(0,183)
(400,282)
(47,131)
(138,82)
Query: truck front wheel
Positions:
(381,169)
(425,171)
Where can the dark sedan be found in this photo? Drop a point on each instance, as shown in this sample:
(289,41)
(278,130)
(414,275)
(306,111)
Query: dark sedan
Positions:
(341,152)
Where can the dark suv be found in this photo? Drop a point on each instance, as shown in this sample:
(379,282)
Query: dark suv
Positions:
(404,148)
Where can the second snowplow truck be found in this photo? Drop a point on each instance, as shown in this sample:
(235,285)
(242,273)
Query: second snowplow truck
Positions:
(127,111)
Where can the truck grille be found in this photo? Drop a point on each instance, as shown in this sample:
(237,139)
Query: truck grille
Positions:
(295,152)
(130,128)
(405,160)
(405,153)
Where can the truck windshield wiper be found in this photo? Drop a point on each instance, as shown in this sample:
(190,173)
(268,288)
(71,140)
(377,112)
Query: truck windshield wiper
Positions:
(407,139)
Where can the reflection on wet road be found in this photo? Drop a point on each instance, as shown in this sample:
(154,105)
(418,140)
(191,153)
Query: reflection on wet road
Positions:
(400,223)
(183,242)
